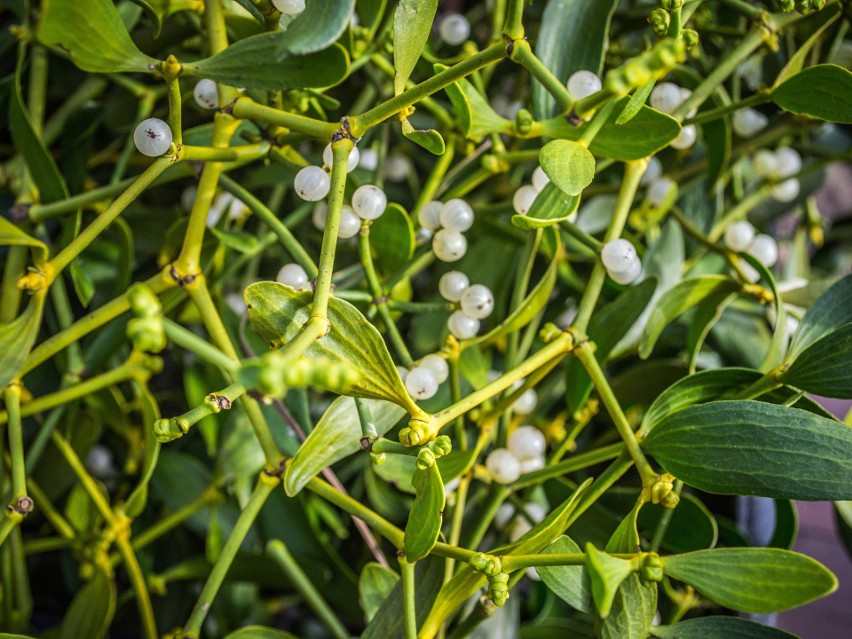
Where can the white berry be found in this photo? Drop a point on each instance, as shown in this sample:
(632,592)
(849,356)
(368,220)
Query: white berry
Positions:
(583,83)
(350,224)
(99,461)
(293,275)
(666,97)
(456,215)
(618,255)
(462,326)
(312,183)
(368,159)
(454,29)
(539,179)
(765,249)
(523,199)
(438,365)
(652,171)
(421,383)
(206,95)
(519,527)
(765,163)
(659,190)
(629,276)
(449,246)
(397,167)
(739,236)
(152,137)
(369,202)
(319,215)
(289,7)
(503,466)
(748,122)
(477,301)
(452,284)
(429,215)
(786,191)
(789,161)
(686,138)
(526,403)
(527,442)
(352,164)
(531,464)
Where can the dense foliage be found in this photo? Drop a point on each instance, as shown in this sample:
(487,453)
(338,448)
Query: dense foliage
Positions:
(391,319)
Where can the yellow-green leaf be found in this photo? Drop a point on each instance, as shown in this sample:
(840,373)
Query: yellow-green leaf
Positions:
(569,165)
(18,336)
(424,522)
(412,23)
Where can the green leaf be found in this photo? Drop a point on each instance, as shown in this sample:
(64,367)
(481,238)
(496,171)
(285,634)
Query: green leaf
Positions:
(92,32)
(626,536)
(278,313)
(336,436)
(755,448)
(429,139)
(392,239)
(476,118)
(11,235)
(259,632)
(718,140)
(727,627)
(530,307)
(645,134)
(605,576)
(691,527)
(635,104)
(245,4)
(569,583)
(825,19)
(551,207)
(159,10)
(823,368)
(91,610)
(315,28)
(424,522)
(398,471)
(827,314)
(412,23)
(374,586)
(633,610)
(679,299)
(253,63)
(18,336)
(757,580)
(569,165)
(821,91)
(240,241)
(573,37)
(42,167)
(706,314)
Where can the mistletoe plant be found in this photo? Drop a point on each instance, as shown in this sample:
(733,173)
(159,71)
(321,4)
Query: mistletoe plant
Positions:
(338,317)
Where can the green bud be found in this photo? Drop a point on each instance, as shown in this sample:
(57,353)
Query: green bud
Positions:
(671,5)
(441,446)
(659,19)
(785,5)
(168,430)
(690,38)
(549,332)
(498,588)
(523,121)
(143,302)
(378,458)
(147,333)
(652,568)
(425,458)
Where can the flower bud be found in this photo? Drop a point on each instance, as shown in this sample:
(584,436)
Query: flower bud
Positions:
(659,19)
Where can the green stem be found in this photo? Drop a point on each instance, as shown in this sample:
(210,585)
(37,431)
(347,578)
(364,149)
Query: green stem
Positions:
(456,523)
(12,399)
(577,462)
(433,182)
(409,612)
(359,124)
(739,212)
(246,108)
(368,428)
(514,27)
(191,342)
(602,483)
(173,520)
(340,149)
(265,485)
(241,153)
(761,97)
(585,353)
(173,90)
(665,520)
(522,53)
(140,587)
(632,174)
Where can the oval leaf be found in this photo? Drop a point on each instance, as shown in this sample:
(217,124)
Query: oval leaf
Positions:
(424,522)
(633,610)
(551,207)
(392,239)
(823,367)
(17,338)
(92,32)
(569,165)
(91,610)
(278,313)
(476,118)
(336,435)
(727,627)
(569,583)
(374,585)
(821,91)
(429,139)
(252,63)
(315,28)
(829,312)
(755,448)
(412,23)
(757,580)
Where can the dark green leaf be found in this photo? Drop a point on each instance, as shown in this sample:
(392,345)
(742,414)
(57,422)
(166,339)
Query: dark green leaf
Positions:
(573,37)
(823,368)
(92,609)
(551,207)
(429,139)
(679,299)
(252,64)
(374,585)
(159,10)
(645,134)
(278,313)
(92,32)
(755,448)
(315,28)
(826,18)
(827,314)
(707,313)
(821,91)
(424,522)
(633,610)
(605,576)
(18,336)
(569,583)
(691,527)
(412,23)
(476,118)
(758,580)
(727,627)
(569,165)
(392,239)
(336,436)
(718,140)
(259,632)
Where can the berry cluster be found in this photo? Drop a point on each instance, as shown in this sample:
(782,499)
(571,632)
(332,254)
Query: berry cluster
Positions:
(448,221)
(476,302)
(524,453)
(422,381)
(621,262)
(667,97)
(779,166)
